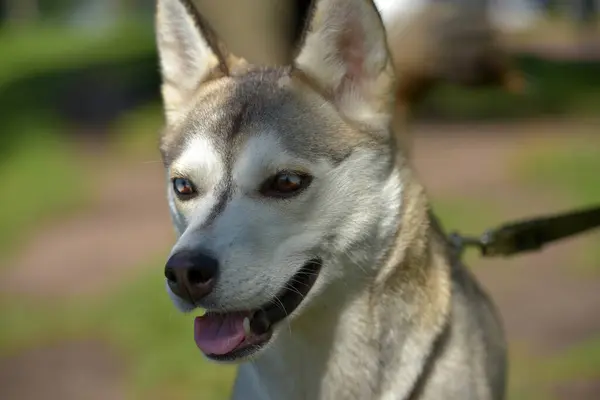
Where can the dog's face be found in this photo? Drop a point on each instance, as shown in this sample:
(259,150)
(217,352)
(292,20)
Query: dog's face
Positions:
(273,175)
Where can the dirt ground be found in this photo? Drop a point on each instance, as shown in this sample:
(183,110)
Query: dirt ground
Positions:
(77,370)
(127,225)
(544,305)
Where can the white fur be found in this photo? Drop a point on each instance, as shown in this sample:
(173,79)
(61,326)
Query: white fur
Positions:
(201,162)
(264,156)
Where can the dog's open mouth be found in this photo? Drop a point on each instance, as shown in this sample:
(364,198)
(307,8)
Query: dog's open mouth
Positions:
(229,336)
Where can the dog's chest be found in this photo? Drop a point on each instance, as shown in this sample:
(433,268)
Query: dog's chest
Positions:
(334,384)
(300,372)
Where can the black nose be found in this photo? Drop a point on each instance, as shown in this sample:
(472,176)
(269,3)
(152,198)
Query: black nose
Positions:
(191,275)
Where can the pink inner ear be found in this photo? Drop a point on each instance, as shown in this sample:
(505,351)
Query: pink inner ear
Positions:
(351,45)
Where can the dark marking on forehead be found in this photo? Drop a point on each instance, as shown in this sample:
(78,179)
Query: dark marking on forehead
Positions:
(215,116)
(223,109)
(238,119)
(239,110)
(233,109)
(224,195)
(274,106)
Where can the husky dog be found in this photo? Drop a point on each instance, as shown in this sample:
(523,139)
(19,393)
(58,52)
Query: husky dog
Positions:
(302,230)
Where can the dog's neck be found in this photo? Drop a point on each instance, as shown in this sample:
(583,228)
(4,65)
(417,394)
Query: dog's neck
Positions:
(337,348)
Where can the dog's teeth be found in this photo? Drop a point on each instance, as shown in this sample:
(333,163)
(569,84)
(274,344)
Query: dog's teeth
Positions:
(246,325)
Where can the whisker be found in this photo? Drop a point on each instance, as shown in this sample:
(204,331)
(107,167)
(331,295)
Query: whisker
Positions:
(292,289)
(275,300)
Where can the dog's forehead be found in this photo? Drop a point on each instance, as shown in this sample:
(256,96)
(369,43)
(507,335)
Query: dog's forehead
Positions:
(230,111)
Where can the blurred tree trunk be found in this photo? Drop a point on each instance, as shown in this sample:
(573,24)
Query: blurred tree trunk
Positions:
(585,15)
(585,12)
(262,31)
(22,12)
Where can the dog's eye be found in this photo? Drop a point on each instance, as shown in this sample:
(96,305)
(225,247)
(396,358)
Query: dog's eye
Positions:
(285,184)
(183,187)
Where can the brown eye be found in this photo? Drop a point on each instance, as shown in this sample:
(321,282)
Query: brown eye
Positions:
(285,184)
(183,187)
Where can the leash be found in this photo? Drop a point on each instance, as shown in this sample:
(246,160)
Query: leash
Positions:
(528,235)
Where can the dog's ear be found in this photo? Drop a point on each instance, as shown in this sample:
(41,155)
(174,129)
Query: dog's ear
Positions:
(345,53)
(190,53)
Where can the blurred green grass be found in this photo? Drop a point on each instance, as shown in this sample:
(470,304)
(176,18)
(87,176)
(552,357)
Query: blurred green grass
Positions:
(571,168)
(41,175)
(40,181)
(533,377)
(42,63)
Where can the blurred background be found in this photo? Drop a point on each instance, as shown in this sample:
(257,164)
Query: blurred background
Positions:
(83,312)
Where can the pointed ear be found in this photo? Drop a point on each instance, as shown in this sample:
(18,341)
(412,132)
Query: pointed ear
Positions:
(345,53)
(190,53)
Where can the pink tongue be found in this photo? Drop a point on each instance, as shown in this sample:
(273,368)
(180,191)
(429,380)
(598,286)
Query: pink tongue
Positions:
(219,333)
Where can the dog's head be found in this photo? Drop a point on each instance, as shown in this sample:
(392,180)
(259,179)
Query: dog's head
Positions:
(274,175)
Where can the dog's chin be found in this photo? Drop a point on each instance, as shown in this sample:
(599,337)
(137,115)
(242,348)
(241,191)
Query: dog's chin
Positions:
(238,336)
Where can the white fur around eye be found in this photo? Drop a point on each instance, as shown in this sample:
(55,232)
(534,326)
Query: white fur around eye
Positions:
(264,156)
(200,162)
